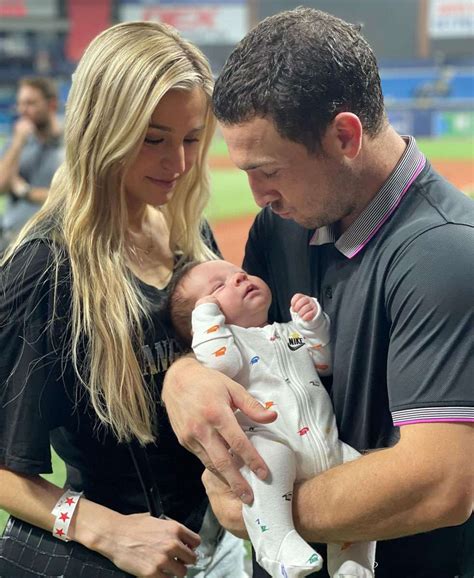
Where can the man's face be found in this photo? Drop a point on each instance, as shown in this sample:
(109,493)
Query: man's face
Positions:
(243,299)
(32,104)
(313,189)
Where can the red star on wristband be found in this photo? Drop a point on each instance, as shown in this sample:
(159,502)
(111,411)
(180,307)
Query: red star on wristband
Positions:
(64,511)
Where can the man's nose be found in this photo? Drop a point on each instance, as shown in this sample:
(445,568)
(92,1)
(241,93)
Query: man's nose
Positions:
(262,195)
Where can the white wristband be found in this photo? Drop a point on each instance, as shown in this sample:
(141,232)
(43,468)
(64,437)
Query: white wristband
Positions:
(64,510)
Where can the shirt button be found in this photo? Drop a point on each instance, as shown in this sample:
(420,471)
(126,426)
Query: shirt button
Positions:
(328,292)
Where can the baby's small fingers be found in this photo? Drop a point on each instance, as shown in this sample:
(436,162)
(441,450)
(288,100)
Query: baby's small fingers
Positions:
(294,299)
(308,311)
(298,301)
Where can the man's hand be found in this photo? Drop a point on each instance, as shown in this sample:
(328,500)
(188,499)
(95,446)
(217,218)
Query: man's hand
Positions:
(19,187)
(226,507)
(22,129)
(9,161)
(200,403)
(304,306)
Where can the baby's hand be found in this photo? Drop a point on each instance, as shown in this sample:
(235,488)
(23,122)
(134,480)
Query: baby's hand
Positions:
(207,299)
(304,306)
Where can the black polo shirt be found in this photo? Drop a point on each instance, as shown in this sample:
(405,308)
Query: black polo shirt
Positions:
(398,286)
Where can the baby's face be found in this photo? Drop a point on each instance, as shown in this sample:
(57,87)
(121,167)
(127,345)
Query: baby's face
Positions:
(243,299)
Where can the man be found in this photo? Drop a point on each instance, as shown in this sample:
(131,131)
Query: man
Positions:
(355,215)
(31,157)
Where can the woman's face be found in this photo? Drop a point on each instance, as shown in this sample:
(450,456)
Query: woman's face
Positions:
(170,147)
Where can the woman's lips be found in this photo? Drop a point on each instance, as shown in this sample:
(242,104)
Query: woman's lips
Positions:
(166,184)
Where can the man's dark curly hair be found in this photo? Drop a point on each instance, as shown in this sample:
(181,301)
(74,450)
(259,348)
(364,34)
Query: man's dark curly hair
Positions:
(301,68)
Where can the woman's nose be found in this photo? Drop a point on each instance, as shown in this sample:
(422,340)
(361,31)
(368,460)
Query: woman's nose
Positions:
(174,161)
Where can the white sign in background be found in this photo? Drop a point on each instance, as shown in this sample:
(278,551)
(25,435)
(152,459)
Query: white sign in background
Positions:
(199,23)
(451,19)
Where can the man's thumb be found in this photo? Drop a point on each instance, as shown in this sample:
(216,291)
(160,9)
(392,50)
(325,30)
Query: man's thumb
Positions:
(252,408)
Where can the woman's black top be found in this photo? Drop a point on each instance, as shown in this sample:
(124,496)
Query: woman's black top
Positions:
(42,401)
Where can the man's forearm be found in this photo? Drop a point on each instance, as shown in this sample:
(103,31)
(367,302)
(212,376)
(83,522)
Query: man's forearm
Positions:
(424,482)
(9,163)
(38,195)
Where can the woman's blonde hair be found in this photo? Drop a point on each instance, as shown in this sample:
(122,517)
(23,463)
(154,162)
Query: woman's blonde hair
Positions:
(118,83)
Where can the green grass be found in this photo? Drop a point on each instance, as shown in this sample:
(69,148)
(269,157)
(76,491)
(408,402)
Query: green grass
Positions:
(230,195)
(3,519)
(218,147)
(448,148)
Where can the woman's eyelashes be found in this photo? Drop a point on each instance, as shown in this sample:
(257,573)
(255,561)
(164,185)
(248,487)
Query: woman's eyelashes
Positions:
(155,140)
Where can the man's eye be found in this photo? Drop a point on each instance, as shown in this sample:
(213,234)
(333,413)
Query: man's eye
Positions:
(269,175)
(191,140)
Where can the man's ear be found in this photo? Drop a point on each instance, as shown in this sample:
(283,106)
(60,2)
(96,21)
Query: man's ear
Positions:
(344,135)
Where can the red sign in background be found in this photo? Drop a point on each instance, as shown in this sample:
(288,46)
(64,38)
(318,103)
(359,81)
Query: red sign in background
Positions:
(13,9)
(87,18)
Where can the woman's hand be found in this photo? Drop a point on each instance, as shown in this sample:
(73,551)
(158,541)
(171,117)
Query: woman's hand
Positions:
(226,507)
(200,403)
(151,547)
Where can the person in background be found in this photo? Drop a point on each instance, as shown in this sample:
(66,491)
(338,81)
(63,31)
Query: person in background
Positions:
(31,156)
(354,215)
(84,335)
(279,364)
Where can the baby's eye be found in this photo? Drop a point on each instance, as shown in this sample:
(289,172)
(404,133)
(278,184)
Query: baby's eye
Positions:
(217,287)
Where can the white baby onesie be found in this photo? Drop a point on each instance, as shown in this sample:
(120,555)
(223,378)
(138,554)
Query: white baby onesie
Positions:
(279,364)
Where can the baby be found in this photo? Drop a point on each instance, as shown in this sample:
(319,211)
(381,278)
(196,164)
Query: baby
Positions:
(225,310)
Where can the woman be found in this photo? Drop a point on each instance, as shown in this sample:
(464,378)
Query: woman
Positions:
(84,336)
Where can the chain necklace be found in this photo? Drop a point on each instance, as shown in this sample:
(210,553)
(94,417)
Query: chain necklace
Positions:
(140,252)
(152,263)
